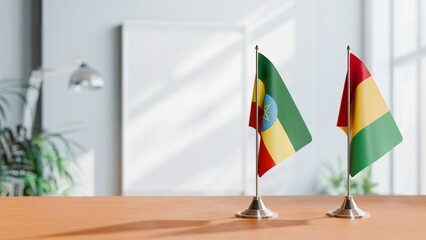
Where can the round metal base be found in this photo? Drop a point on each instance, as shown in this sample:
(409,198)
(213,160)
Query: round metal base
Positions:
(349,209)
(257,209)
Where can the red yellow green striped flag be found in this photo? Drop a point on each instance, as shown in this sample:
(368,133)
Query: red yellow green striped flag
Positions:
(280,125)
(373,129)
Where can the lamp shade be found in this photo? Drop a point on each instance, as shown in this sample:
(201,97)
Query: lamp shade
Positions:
(86,77)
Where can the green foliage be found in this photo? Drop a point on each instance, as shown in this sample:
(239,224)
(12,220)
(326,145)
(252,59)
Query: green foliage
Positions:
(40,165)
(35,166)
(334,181)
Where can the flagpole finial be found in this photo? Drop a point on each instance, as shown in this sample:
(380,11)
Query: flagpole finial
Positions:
(257,48)
(348,48)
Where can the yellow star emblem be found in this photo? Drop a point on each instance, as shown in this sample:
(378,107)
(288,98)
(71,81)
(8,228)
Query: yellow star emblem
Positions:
(265,112)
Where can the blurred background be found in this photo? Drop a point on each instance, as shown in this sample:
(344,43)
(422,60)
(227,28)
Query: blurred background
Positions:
(172,116)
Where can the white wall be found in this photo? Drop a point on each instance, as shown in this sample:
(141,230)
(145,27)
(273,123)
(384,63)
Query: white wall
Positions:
(340,23)
(378,58)
(15,48)
(312,60)
(395,63)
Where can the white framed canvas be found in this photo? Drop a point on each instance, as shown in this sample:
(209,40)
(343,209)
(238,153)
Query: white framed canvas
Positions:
(184,109)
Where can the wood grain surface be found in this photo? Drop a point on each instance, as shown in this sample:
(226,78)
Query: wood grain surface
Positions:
(300,217)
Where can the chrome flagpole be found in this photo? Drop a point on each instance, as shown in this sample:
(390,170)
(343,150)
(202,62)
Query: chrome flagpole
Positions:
(257,208)
(348,209)
(257,121)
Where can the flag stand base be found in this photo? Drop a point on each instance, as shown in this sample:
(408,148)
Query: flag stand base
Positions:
(257,209)
(348,209)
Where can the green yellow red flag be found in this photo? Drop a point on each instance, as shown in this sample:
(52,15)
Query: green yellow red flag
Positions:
(280,125)
(373,129)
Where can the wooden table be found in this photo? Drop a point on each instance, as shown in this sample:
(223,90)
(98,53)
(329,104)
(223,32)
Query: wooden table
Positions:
(392,217)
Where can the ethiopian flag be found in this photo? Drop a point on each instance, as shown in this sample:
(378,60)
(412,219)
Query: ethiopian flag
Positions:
(280,125)
(373,129)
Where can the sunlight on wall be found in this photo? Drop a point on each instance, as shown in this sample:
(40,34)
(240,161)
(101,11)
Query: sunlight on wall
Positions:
(406,115)
(284,37)
(189,92)
(397,58)
(189,128)
(406,27)
(201,55)
(266,12)
(188,110)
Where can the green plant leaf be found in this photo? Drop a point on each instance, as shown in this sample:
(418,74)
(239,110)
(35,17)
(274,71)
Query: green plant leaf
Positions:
(334,180)
(46,160)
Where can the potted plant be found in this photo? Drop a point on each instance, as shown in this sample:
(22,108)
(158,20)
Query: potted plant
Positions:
(37,164)
(334,180)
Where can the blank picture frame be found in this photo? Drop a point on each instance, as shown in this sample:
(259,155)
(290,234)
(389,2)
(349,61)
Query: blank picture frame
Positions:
(184,116)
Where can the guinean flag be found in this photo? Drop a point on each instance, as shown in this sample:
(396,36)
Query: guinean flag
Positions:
(373,129)
(281,127)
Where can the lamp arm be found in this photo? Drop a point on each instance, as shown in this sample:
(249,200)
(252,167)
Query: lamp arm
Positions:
(31,100)
(48,72)
(84,74)
(33,93)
